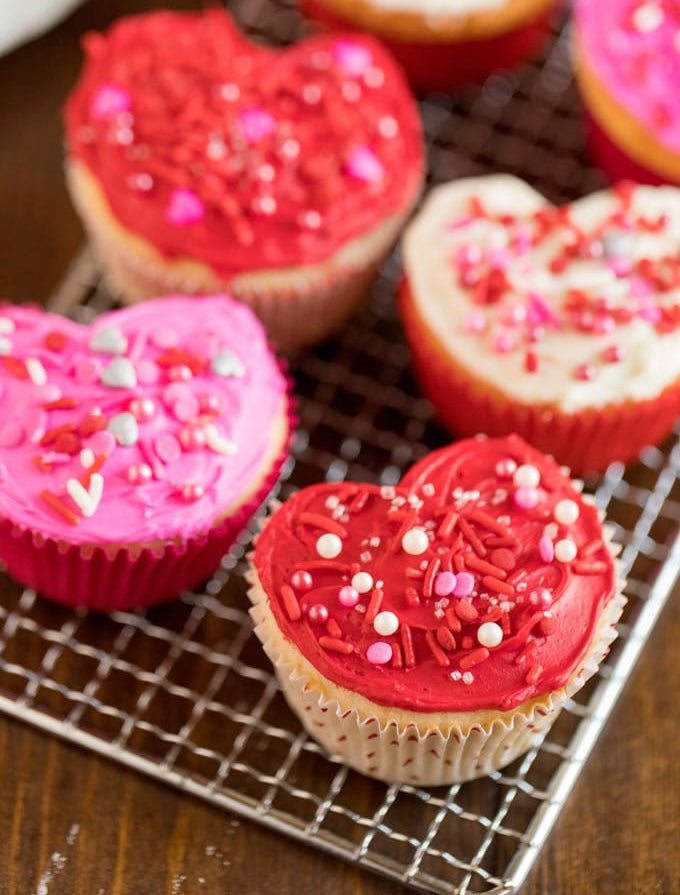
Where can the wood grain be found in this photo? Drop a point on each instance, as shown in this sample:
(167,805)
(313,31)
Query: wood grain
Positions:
(75,824)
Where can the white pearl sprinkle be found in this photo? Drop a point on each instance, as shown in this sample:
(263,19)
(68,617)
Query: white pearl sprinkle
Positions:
(328,546)
(6,325)
(489,634)
(648,17)
(565,550)
(363,582)
(415,541)
(526,476)
(566,512)
(386,623)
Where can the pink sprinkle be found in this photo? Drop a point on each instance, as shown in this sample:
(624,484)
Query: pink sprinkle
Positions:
(102,442)
(465,584)
(109,100)
(379,653)
(87,370)
(522,240)
(364,164)
(499,258)
(542,597)
(475,322)
(526,497)
(348,596)
(604,325)
(619,265)
(184,208)
(301,581)
(546,549)
(612,354)
(640,288)
(513,315)
(503,343)
(186,408)
(460,223)
(352,58)
(256,124)
(11,434)
(147,372)
(317,613)
(585,372)
(540,313)
(468,254)
(650,313)
(444,584)
(167,447)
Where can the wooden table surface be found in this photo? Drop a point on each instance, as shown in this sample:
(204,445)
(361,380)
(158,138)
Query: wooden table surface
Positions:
(74,824)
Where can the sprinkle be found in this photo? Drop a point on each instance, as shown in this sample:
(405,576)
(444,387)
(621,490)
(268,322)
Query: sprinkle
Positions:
(374,605)
(362,582)
(5,346)
(647,17)
(167,447)
(386,623)
(36,371)
(585,372)
(430,573)
(109,100)
(119,374)
(464,584)
(61,508)
(448,524)
(184,208)
(595,567)
(541,597)
(397,660)
(256,124)
(348,596)
(329,545)
(290,603)
(15,367)
(498,586)
(487,568)
(108,340)
(226,363)
(444,584)
(436,650)
(526,498)
(87,370)
(88,500)
(445,638)
(363,164)
(504,559)
(565,550)
(379,653)
(86,458)
(412,597)
(98,461)
(7,326)
(526,476)
(139,473)
(534,674)
(123,427)
(472,537)
(301,581)
(486,520)
(353,58)
(566,512)
(61,404)
(466,612)
(415,541)
(333,628)
(490,634)
(475,322)
(319,521)
(407,643)
(336,646)
(217,442)
(317,613)
(192,491)
(546,549)
(474,658)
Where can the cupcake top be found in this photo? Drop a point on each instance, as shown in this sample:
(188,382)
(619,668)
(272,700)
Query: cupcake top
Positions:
(241,156)
(633,46)
(475,584)
(574,307)
(146,426)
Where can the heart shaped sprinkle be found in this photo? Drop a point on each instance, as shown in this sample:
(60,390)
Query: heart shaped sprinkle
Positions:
(120,373)
(123,427)
(109,340)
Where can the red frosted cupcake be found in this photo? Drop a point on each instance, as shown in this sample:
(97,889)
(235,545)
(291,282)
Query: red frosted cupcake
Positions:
(444,44)
(560,324)
(627,66)
(200,162)
(133,451)
(426,633)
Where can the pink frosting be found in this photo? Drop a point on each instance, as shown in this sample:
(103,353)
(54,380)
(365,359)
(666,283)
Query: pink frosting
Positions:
(170,403)
(634,48)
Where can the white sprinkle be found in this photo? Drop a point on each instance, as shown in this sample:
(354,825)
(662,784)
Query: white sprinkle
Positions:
(551,531)
(6,326)
(360,608)
(226,363)
(123,426)
(216,441)
(565,550)
(428,489)
(86,458)
(455,675)
(362,582)
(328,546)
(5,346)
(109,340)
(386,623)
(119,374)
(489,634)
(374,541)
(648,17)
(526,476)
(566,512)
(415,541)
(36,371)
(468,677)
(88,500)
(332,502)
(366,556)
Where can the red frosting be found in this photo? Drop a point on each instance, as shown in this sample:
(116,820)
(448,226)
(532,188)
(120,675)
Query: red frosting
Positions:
(241,156)
(532,575)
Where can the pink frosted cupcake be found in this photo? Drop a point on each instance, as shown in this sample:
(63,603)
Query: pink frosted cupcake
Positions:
(560,324)
(133,451)
(427,633)
(200,162)
(627,66)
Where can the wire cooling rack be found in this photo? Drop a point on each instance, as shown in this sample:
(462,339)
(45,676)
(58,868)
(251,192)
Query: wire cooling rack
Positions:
(184,693)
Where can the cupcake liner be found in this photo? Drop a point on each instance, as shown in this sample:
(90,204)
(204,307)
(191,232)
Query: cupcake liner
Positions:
(587,441)
(106,578)
(449,64)
(411,747)
(297,306)
(613,161)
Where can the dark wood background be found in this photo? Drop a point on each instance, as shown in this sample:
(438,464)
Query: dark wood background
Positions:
(75,824)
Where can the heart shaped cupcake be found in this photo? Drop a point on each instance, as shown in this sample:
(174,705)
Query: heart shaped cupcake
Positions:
(133,450)
(425,632)
(201,161)
(560,324)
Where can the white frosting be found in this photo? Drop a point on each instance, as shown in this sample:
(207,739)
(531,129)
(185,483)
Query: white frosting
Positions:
(650,360)
(436,8)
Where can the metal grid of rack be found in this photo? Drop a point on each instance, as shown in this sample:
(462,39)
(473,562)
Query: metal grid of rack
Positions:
(184,694)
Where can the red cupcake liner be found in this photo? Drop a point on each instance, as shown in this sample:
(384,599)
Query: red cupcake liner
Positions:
(613,161)
(447,65)
(587,441)
(107,579)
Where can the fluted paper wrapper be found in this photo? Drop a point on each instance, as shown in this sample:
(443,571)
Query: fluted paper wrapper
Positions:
(429,749)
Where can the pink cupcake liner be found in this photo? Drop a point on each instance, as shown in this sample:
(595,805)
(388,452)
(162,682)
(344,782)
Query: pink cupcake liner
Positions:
(107,579)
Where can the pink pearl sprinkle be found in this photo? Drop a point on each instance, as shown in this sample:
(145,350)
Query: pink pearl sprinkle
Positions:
(541,596)
(546,549)
(503,343)
(348,596)
(192,438)
(444,584)
(142,408)
(109,100)
(184,208)
(256,124)
(192,491)
(364,164)
(317,613)
(167,447)
(379,653)
(585,372)
(351,57)
(468,254)
(513,315)
(209,404)
(475,322)
(526,497)
(465,584)
(301,581)
(139,473)
(185,408)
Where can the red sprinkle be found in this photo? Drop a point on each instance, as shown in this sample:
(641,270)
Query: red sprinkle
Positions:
(474,658)
(397,660)
(445,638)
(335,645)
(595,567)
(448,524)
(333,628)
(432,570)
(452,620)
(61,404)
(531,361)
(487,568)
(407,643)
(57,504)
(55,340)
(533,674)
(465,611)
(412,597)
(16,367)
(93,422)
(374,605)
(486,520)
(290,603)
(324,523)
(471,536)
(436,650)
(500,587)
